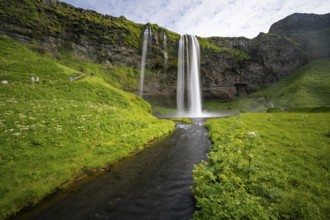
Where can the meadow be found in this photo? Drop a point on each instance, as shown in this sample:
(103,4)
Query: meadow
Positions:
(56,130)
(266,166)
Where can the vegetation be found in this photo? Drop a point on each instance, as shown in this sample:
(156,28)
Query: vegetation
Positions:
(119,76)
(228,53)
(53,20)
(306,87)
(163,111)
(266,166)
(183,120)
(53,130)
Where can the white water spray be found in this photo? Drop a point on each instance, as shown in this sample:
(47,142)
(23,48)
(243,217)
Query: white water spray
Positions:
(189,72)
(147,37)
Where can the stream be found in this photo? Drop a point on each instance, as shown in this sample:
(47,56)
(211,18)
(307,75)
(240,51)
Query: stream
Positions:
(154,184)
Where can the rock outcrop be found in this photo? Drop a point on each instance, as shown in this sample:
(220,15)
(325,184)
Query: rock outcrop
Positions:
(229,66)
(312,31)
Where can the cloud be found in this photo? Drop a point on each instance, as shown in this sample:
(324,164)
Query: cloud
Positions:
(207,17)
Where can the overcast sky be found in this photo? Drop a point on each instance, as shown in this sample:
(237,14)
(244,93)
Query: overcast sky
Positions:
(226,18)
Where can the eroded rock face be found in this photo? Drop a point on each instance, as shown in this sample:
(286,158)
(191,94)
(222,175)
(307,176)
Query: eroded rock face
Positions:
(312,31)
(229,66)
(271,57)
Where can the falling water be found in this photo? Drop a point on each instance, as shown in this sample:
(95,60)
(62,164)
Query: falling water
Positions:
(165,51)
(181,75)
(195,89)
(147,36)
(188,71)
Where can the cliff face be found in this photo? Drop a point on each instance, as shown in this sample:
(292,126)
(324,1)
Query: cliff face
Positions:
(245,65)
(57,26)
(310,30)
(229,66)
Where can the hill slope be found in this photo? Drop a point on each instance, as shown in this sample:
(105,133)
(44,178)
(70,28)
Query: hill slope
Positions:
(308,86)
(54,129)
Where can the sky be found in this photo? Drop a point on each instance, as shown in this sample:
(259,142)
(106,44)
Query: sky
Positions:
(205,18)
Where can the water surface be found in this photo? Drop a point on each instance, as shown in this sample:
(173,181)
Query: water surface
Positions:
(153,184)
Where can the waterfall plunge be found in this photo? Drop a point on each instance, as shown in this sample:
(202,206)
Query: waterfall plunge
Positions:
(147,37)
(188,71)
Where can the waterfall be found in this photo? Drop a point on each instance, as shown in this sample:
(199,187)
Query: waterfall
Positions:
(189,74)
(165,51)
(194,83)
(147,37)
(181,75)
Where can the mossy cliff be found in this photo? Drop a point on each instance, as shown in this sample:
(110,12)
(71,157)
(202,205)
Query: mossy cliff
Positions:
(229,66)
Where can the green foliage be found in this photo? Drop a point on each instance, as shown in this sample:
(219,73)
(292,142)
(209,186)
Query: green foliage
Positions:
(163,111)
(54,19)
(205,44)
(266,166)
(122,77)
(307,87)
(183,120)
(228,53)
(54,129)
(12,8)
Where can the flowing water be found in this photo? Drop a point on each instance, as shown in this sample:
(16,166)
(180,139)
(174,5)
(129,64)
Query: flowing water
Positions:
(188,81)
(165,51)
(147,36)
(180,91)
(153,184)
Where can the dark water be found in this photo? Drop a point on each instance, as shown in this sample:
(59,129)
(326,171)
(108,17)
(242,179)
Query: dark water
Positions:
(151,185)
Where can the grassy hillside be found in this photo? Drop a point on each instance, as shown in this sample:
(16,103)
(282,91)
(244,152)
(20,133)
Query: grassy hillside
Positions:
(119,76)
(308,86)
(266,166)
(56,129)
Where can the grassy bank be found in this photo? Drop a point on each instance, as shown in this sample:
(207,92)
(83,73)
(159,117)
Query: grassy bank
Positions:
(53,130)
(266,166)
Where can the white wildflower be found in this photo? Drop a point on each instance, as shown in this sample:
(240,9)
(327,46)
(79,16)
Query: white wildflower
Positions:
(252,133)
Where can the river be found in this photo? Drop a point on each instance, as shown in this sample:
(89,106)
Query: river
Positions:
(154,184)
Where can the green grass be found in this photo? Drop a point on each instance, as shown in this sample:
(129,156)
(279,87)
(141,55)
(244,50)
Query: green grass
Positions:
(266,166)
(54,130)
(182,120)
(119,76)
(309,86)
(163,111)
(208,47)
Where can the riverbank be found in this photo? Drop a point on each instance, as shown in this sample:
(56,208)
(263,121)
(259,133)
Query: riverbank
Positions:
(154,184)
(266,166)
(53,130)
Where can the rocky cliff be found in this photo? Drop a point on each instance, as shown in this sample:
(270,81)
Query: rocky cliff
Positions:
(57,26)
(229,66)
(312,31)
(243,65)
